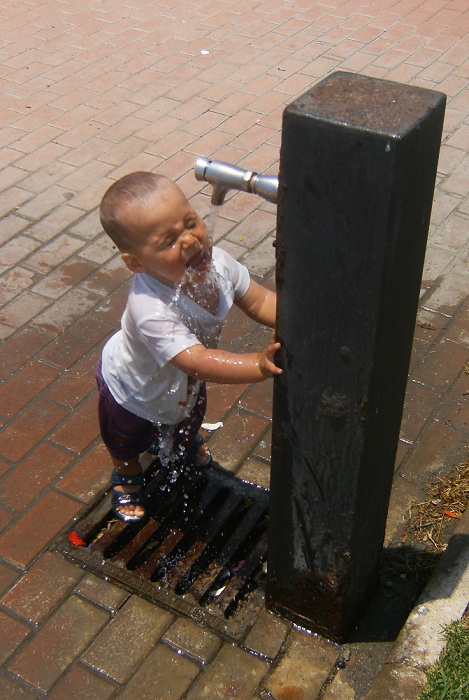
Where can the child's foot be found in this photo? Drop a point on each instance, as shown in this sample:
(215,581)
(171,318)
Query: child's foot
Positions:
(204,456)
(198,454)
(127,496)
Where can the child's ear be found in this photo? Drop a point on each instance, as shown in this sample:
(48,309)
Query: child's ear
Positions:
(132,262)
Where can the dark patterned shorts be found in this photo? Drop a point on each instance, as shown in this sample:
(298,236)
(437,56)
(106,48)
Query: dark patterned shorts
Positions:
(127,435)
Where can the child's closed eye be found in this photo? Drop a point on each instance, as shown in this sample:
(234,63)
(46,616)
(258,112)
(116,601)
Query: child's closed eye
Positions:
(193,223)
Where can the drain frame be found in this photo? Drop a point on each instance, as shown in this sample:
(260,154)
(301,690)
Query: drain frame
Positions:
(98,518)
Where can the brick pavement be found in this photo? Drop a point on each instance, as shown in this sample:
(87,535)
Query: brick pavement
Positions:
(95,90)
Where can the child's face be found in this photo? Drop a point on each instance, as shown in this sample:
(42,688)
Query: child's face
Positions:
(172,238)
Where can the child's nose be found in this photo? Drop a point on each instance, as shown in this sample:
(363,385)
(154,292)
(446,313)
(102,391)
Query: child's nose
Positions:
(191,235)
(188,237)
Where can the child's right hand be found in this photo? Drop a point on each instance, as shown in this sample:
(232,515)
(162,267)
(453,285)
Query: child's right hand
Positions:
(266,359)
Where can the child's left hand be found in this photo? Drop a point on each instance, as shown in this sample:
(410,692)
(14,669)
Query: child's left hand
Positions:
(266,359)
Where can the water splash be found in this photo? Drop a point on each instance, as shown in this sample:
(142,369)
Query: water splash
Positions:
(202,286)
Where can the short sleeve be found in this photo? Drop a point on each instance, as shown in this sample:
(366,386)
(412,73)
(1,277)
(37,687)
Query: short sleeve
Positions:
(238,273)
(166,338)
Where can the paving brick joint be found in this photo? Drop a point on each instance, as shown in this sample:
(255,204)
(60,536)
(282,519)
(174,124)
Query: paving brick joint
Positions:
(90,92)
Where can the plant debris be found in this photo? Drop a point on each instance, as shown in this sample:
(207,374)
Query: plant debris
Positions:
(431,521)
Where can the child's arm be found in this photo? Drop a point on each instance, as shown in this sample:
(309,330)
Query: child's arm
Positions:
(224,367)
(259,304)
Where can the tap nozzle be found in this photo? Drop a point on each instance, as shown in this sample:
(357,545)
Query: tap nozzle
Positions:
(224,176)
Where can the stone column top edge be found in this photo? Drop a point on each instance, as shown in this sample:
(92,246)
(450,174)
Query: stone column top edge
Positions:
(367,104)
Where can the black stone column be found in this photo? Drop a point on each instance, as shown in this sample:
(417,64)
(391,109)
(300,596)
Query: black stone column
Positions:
(357,172)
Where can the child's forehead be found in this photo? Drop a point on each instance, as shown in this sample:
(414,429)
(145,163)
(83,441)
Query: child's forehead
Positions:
(161,212)
(170,195)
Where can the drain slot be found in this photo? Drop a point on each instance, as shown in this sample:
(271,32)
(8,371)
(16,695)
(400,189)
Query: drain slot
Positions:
(201,551)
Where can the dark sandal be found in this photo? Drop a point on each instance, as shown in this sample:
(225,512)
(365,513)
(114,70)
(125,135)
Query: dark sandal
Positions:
(119,498)
(193,451)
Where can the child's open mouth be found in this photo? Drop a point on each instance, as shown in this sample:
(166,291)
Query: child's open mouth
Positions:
(200,262)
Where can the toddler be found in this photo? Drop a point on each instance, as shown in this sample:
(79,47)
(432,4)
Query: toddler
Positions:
(152,373)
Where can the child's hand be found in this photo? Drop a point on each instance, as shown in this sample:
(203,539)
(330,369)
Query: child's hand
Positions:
(266,359)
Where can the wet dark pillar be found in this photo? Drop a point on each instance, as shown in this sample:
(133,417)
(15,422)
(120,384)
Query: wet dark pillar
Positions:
(357,172)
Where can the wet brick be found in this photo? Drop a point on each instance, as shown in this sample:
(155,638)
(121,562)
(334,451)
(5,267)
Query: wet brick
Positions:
(18,438)
(77,383)
(440,446)
(221,398)
(5,518)
(232,674)
(18,391)
(453,411)
(237,327)
(164,674)
(8,576)
(192,640)
(255,471)
(42,587)
(90,475)
(107,278)
(34,531)
(267,635)
(263,447)
(15,280)
(33,474)
(13,691)
(56,646)
(103,593)
(81,429)
(75,342)
(304,668)
(61,314)
(60,280)
(458,329)
(56,252)
(259,399)
(339,690)
(13,633)
(4,467)
(231,444)
(82,684)
(101,251)
(16,250)
(450,289)
(111,309)
(124,643)
(420,403)
(22,309)
(17,350)
(443,366)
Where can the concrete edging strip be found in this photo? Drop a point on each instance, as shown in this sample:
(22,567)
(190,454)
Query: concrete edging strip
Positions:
(420,642)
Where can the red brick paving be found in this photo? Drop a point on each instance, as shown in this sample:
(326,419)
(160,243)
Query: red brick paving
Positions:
(90,93)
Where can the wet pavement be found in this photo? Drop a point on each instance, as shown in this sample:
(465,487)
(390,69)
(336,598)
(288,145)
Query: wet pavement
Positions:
(96,90)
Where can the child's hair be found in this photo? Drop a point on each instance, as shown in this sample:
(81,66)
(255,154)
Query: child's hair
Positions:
(120,198)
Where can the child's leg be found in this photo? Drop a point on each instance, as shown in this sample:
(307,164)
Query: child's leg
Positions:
(126,436)
(123,472)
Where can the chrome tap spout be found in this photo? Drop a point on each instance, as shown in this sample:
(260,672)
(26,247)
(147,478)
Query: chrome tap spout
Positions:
(224,176)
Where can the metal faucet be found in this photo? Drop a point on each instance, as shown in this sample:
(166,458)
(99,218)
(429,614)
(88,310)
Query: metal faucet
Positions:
(224,177)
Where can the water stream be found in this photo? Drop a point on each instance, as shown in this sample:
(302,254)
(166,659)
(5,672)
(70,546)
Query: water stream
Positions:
(211,220)
(201,288)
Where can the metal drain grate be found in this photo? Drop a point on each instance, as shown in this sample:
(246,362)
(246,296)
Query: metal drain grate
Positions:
(201,552)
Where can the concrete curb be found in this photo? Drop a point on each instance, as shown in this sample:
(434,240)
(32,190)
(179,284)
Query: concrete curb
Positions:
(421,641)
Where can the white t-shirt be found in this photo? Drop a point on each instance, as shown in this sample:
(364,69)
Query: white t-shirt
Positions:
(158,324)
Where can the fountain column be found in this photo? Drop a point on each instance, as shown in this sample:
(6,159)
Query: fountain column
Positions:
(357,172)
